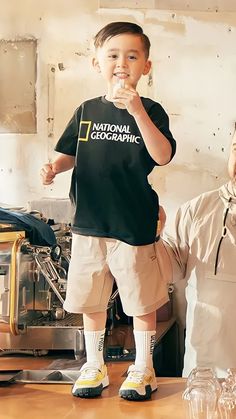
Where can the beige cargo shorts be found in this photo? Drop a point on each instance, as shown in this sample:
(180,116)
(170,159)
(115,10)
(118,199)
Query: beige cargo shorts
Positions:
(96,262)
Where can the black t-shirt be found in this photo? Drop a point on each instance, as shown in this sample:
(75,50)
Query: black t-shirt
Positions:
(109,186)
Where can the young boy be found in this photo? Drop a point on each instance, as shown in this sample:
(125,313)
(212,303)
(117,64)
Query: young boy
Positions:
(112,151)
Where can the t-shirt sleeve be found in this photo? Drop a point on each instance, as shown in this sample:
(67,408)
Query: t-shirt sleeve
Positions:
(160,118)
(67,143)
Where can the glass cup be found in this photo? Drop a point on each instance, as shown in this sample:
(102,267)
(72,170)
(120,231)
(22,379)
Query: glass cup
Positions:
(227,402)
(231,378)
(201,394)
(205,373)
(200,400)
(119,85)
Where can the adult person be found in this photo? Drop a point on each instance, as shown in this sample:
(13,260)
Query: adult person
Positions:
(202,251)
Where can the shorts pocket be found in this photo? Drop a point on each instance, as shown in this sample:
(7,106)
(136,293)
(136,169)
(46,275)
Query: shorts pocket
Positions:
(164,262)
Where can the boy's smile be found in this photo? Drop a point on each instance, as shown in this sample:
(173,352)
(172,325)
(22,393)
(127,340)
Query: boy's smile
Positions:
(122,57)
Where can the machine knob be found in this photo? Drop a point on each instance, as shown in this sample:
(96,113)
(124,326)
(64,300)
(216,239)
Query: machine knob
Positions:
(55,252)
(58,313)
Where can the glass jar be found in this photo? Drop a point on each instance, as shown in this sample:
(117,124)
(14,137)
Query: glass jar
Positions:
(201,394)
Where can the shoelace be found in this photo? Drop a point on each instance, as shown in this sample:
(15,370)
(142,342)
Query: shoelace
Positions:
(136,377)
(89,373)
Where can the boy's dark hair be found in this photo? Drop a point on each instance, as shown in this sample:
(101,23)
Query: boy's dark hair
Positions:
(117,28)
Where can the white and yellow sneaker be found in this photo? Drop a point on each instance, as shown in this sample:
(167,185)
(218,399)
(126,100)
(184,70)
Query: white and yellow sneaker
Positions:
(92,380)
(139,384)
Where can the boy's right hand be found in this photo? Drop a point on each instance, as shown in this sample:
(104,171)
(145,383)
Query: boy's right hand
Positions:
(47,174)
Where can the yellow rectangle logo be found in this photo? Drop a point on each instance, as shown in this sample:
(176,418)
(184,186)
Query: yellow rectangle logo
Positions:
(84,129)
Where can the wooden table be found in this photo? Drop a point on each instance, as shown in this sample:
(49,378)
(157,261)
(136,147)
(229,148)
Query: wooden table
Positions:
(54,401)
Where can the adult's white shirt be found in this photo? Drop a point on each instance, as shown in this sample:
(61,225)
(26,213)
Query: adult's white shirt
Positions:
(210,283)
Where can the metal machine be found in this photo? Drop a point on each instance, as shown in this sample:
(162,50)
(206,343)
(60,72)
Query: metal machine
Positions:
(33,283)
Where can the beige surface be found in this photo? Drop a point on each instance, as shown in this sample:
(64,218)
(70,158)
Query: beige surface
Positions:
(54,401)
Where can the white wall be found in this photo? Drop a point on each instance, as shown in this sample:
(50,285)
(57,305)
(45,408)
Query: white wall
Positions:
(194,67)
(194,64)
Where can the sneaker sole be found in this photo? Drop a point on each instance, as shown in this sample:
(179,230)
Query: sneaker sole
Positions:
(90,392)
(135,396)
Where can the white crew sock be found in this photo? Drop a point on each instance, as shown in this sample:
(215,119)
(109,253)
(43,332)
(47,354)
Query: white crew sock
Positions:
(94,343)
(144,345)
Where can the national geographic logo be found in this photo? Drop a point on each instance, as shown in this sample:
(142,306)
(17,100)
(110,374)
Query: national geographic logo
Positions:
(84,129)
(109,132)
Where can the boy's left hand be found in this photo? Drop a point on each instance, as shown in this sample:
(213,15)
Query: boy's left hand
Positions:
(129,97)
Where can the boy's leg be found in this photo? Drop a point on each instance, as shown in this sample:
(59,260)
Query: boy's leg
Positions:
(145,335)
(143,290)
(89,286)
(93,374)
(141,381)
(94,334)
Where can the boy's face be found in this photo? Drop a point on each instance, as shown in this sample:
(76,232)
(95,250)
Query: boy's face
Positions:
(232,160)
(122,57)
